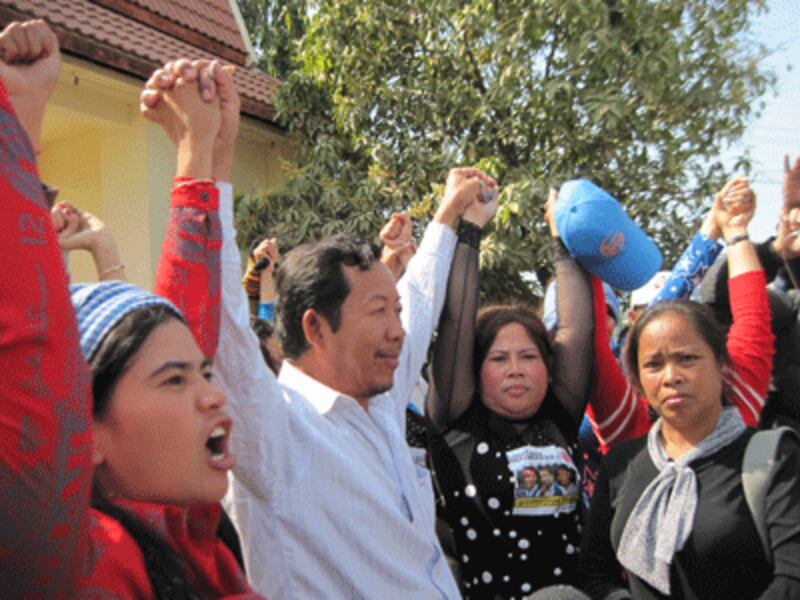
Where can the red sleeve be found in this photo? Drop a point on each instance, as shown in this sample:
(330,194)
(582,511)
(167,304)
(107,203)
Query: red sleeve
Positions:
(189,267)
(114,564)
(616,412)
(751,344)
(45,433)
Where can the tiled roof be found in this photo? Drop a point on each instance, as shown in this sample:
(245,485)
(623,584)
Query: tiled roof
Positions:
(212,18)
(97,33)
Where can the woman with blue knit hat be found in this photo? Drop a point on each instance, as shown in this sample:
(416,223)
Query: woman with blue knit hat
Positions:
(121,500)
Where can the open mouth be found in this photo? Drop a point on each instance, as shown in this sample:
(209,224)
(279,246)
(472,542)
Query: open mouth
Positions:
(217,446)
(216,443)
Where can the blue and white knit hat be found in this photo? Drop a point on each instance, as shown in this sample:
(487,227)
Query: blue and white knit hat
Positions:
(99,307)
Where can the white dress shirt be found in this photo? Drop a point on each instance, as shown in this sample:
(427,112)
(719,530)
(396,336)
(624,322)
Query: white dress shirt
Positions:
(325,495)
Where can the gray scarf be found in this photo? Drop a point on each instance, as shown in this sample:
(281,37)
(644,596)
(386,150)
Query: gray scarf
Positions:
(663,517)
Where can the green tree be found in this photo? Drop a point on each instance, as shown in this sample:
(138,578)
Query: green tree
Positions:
(274,27)
(638,95)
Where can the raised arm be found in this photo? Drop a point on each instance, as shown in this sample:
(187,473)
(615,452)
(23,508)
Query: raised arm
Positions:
(398,243)
(188,270)
(615,410)
(572,345)
(80,230)
(254,397)
(45,435)
(423,286)
(787,242)
(768,253)
(696,260)
(266,253)
(750,341)
(452,384)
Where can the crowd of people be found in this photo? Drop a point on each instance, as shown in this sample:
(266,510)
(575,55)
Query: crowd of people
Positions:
(344,420)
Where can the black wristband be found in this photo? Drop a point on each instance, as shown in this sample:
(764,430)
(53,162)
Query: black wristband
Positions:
(470,234)
(736,239)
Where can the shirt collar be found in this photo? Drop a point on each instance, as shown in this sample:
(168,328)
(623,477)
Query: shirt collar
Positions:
(319,395)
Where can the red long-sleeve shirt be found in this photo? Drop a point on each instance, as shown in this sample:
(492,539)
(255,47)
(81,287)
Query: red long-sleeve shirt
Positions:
(618,413)
(52,544)
(188,271)
(45,394)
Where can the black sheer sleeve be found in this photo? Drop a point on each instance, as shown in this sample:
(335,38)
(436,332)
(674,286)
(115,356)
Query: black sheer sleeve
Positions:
(573,340)
(452,384)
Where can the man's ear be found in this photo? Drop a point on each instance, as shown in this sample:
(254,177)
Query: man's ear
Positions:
(315,328)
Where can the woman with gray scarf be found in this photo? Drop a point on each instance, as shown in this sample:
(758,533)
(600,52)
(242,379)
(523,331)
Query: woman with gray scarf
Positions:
(669,509)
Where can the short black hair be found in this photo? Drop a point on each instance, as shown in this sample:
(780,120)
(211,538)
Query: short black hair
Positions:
(701,318)
(311,276)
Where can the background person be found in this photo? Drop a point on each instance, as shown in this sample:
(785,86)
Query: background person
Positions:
(80,230)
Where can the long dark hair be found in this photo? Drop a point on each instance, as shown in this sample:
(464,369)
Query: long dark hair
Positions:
(167,571)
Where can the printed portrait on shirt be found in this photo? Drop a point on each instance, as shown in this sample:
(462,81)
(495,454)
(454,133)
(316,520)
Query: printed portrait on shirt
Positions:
(546,481)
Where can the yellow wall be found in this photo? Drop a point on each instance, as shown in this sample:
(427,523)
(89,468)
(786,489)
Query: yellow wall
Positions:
(104,157)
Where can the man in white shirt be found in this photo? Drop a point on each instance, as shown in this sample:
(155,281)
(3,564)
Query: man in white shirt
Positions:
(325,495)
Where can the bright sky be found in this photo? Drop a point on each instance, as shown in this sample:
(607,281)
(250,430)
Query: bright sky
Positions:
(777,132)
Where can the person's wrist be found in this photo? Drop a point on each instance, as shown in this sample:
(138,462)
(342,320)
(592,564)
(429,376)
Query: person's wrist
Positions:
(105,252)
(221,171)
(30,116)
(265,277)
(107,262)
(195,158)
(710,230)
(730,232)
(469,233)
(447,216)
(735,239)
(224,151)
(475,220)
(197,141)
(101,242)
